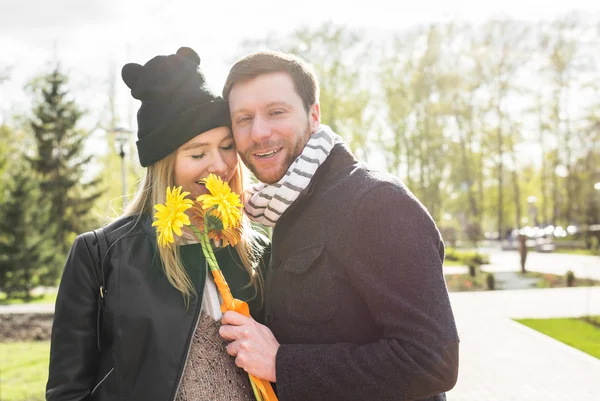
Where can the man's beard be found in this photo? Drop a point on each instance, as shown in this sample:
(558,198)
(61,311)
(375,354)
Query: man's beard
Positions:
(287,162)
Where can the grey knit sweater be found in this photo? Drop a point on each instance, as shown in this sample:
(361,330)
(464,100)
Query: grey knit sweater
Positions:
(210,373)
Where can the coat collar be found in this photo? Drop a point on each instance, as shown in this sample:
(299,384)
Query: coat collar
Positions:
(339,158)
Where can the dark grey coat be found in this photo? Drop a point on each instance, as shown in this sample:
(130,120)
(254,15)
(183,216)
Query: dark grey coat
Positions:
(355,291)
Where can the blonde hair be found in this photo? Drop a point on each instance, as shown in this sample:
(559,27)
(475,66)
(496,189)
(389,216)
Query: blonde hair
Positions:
(152,191)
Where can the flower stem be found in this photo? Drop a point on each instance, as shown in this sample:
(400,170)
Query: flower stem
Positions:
(257,393)
(206,247)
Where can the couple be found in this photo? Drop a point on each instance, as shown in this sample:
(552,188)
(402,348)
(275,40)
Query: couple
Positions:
(348,301)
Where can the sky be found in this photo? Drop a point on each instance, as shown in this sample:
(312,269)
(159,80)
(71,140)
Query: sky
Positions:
(93,38)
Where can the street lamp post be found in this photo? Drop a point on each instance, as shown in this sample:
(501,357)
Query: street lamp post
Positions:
(122,137)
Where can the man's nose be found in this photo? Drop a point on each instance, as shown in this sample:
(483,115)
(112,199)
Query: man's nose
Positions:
(261,129)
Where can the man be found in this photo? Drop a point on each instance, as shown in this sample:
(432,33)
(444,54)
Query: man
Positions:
(356,307)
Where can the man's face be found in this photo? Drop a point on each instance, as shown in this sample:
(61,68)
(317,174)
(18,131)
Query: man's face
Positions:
(270,124)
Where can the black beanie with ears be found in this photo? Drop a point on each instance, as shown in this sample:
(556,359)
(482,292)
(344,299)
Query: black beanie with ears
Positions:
(176,103)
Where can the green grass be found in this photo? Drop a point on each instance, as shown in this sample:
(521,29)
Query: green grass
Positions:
(576,251)
(44,299)
(23,370)
(573,331)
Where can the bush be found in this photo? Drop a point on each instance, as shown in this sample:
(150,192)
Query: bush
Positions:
(452,254)
(594,244)
(473,231)
(474,258)
(490,280)
(467,257)
(570,276)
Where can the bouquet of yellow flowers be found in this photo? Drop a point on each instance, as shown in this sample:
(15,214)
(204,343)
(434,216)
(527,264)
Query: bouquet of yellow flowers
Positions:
(218,216)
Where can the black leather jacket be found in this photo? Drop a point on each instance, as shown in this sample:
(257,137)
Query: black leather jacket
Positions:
(145,328)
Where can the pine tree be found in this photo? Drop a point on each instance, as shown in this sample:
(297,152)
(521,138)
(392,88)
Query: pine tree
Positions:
(26,257)
(59,161)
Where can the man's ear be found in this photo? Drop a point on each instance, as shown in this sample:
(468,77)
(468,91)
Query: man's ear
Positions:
(315,117)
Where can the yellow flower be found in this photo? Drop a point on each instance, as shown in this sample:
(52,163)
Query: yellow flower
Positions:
(228,204)
(231,236)
(171,216)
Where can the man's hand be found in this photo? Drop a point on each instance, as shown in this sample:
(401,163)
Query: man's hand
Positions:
(253,345)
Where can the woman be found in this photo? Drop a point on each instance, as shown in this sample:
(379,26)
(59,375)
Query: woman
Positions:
(152,334)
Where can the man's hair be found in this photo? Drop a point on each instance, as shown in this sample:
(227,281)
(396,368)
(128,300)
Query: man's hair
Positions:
(267,62)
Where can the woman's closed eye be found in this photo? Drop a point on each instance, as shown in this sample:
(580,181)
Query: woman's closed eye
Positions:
(200,156)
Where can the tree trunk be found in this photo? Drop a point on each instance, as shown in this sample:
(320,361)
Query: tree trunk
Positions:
(500,174)
(472,211)
(517,199)
(555,198)
(543,173)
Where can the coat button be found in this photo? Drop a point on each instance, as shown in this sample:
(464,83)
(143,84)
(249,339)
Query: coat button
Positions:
(276,263)
(269,318)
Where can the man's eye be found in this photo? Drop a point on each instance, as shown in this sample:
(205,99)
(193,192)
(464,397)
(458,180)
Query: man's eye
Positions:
(244,119)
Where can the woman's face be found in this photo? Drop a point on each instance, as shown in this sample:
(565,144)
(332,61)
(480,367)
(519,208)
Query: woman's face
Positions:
(209,152)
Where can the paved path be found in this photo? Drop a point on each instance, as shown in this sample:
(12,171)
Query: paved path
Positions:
(27,308)
(583,266)
(502,360)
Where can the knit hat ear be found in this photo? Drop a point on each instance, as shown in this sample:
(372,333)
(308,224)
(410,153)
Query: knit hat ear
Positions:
(189,53)
(130,73)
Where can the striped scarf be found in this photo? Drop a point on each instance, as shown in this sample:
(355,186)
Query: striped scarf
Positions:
(268,202)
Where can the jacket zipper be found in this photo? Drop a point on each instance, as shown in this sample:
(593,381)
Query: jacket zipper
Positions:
(187,355)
